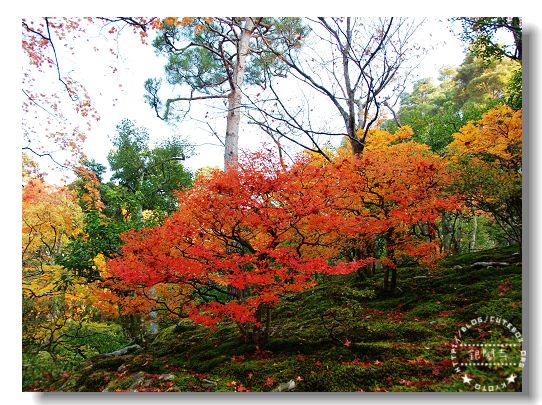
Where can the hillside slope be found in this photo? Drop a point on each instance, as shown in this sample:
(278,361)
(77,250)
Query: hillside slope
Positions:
(343,335)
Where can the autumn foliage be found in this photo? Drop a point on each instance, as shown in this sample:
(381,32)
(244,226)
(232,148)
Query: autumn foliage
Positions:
(486,156)
(53,92)
(242,239)
(51,299)
(317,243)
(495,139)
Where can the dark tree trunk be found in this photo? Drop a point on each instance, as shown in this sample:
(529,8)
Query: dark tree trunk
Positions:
(257,333)
(447,232)
(386,278)
(516,27)
(390,285)
(393,284)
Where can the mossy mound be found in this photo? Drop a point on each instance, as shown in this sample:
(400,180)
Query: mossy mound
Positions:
(343,335)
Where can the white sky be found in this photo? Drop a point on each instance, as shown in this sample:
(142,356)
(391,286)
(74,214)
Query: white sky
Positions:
(137,62)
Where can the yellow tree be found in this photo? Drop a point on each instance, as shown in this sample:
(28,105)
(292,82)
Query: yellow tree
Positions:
(487,156)
(50,214)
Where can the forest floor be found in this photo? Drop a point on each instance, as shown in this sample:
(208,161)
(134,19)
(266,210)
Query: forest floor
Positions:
(343,335)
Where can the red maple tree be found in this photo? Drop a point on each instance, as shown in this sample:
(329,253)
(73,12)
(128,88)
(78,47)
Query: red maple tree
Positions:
(242,239)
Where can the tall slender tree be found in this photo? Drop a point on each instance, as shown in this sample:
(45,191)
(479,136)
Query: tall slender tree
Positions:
(355,66)
(216,58)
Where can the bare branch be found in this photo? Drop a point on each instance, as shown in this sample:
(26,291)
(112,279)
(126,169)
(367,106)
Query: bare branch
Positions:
(73,97)
(44,154)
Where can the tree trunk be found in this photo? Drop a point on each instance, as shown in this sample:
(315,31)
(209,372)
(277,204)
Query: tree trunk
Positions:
(267,320)
(472,243)
(390,285)
(231,142)
(456,240)
(393,284)
(153,326)
(447,232)
(368,249)
(350,116)
(516,26)
(258,332)
(243,332)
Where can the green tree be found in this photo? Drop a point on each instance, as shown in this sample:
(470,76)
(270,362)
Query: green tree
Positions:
(514,90)
(436,111)
(484,35)
(144,181)
(145,178)
(480,81)
(216,58)
(497,38)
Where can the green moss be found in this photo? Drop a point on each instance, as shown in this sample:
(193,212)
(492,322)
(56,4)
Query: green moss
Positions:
(386,351)
(111,363)
(185,382)
(94,382)
(343,335)
(504,307)
(121,384)
(348,378)
(147,363)
(202,366)
(427,309)
(497,254)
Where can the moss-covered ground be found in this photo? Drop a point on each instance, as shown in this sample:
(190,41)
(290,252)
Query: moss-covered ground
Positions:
(343,335)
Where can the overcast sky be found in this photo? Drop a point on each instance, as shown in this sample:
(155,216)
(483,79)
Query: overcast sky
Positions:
(136,63)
